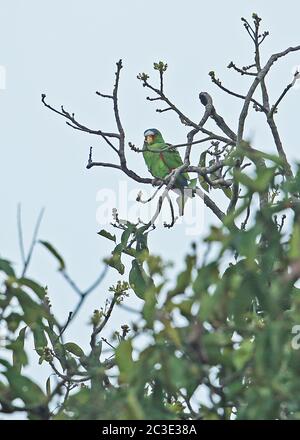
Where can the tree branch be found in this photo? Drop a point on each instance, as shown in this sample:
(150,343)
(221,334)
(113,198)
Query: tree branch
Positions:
(33,242)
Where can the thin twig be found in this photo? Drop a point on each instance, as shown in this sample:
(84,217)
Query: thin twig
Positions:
(275,106)
(20,233)
(237,95)
(33,242)
(81,294)
(99,328)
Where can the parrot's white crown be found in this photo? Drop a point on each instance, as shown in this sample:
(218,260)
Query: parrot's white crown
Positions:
(149,133)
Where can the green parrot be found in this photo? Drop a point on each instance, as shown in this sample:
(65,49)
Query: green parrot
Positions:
(161,164)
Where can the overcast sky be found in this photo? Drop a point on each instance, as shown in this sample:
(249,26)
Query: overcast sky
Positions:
(68,50)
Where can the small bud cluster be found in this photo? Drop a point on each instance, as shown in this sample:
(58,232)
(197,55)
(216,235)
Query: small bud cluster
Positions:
(160,66)
(120,290)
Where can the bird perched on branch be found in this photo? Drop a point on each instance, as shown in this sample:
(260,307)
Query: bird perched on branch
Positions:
(161,160)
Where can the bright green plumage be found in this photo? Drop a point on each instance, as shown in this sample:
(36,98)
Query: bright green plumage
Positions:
(161,164)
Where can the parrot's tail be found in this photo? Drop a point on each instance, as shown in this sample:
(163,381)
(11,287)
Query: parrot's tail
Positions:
(181,181)
(185,194)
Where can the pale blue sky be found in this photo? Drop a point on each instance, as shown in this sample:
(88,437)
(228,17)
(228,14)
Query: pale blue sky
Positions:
(68,50)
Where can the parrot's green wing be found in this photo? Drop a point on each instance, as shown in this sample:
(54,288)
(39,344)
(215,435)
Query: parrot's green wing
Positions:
(155,164)
(160,163)
(173,160)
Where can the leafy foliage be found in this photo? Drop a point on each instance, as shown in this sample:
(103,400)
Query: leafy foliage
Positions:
(219,341)
(224,324)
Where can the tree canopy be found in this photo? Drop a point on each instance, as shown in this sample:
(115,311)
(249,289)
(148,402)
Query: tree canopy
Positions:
(225,328)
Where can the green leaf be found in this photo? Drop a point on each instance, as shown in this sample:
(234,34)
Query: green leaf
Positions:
(126,234)
(202,160)
(5,266)
(13,321)
(202,163)
(125,362)
(19,355)
(242,355)
(42,358)
(48,387)
(134,406)
(142,251)
(106,234)
(172,334)
(40,340)
(74,348)
(244,150)
(54,252)
(58,348)
(262,181)
(294,251)
(184,307)
(204,184)
(39,290)
(193,183)
(149,306)
(115,260)
(24,388)
(184,278)
(227,192)
(207,276)
(176,375)
(72,366)
(138,279)
(33,312)
(5,363)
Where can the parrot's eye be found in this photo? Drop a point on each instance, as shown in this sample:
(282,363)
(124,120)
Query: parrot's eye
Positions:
(149,138)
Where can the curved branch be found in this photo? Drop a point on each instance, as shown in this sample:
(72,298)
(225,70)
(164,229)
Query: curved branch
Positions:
(237,95)
(261,75)
(207,101)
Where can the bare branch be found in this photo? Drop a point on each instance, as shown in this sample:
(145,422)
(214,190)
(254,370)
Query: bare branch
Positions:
(153,99)
(257,43)
(103,164)
(237,95)
(159,110)
(261,75)
(173,218)
(214,174)
(183,118)
(207,101)
(235,193)
(244,224)
(20,233)
(81,293)
(288,87)
(98,329)
(65,377)
(243,71)
(103,95)
(139,196)
(129,309)
(282,223)
(117,115)
(211,205)
(248,28)
(76,125)
(279,146)
(63,329)
(33,242)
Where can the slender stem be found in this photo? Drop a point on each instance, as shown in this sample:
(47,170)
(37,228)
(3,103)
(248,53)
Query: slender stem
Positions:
(82,294)
(98,329)
(33,242)
(20,233)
